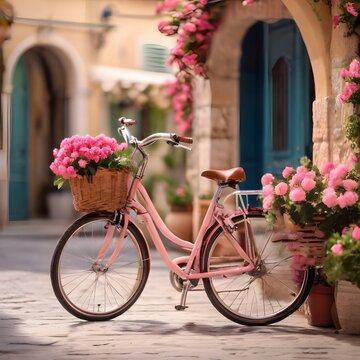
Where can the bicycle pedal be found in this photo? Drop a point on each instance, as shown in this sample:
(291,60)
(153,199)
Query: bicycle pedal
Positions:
(180,307)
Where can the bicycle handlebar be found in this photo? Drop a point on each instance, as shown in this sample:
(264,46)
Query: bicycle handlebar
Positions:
(170,138)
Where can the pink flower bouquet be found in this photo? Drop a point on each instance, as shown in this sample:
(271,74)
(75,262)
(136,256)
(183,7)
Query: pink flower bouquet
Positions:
(84,155)
(307,192)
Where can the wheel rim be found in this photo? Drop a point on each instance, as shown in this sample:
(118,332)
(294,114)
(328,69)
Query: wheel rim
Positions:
(91,288)
(267,292)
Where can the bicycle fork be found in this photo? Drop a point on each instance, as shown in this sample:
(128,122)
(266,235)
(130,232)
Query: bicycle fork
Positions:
(107,241)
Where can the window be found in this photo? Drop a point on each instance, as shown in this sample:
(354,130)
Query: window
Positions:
(154,58)
(280,105)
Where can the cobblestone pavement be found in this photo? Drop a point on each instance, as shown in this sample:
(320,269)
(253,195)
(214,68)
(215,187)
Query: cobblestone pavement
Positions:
(33,325)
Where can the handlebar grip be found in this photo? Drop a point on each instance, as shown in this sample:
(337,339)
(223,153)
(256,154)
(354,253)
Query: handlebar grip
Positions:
(185,139)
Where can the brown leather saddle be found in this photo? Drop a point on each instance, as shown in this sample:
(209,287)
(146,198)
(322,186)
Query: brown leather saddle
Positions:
(230,176)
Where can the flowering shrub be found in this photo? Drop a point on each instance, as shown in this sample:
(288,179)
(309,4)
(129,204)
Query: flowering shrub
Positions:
(351,94)
(343,256)
(349,13)
(307,192)
(83,155)
(180,93)
(194,21)
(180,195)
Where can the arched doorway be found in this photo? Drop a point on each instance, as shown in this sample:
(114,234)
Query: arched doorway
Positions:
(38,123)
(276,96)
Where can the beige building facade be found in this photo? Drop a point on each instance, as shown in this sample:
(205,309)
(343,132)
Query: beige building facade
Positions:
(63,62)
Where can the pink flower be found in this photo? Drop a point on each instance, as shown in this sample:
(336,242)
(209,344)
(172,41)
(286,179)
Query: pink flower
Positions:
(82,163)
(308,184)
(122,146)
(336,21)
(287,172)
(267,179)
(189,59)
(337,249)
(349,184)
(281,189)
(301,170)
(350,9)
(349,198)
(297,179)
(330,198)
(170,5)
(353,158)
(180,192)
(167,28)
(297,195)
(339,172)
(356,233)
(325,169)
(190,27)
(348,91)
(354,68)
(267,202)
(267,190)
(189,7)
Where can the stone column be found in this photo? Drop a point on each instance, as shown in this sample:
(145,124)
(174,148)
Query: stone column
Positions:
(342,50)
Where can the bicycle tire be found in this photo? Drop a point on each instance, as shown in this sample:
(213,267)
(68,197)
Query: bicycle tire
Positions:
(87,291)
(267,294)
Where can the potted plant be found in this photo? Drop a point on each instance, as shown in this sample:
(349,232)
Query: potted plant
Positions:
(342,267)
(179,218)
(97,170)
(311,204)
(321,301)
(315,202)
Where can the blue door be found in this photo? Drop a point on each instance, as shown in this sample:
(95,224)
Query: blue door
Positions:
(19,153)
(276,94)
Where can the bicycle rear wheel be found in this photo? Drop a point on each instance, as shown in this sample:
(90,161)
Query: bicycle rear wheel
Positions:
(88,290)
(267,294)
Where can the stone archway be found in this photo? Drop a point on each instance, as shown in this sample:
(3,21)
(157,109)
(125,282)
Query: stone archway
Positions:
(54,51)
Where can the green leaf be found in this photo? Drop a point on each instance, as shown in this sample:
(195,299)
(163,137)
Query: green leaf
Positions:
(59,181)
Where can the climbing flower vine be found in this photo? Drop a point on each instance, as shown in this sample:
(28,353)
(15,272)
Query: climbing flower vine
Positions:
(195,22)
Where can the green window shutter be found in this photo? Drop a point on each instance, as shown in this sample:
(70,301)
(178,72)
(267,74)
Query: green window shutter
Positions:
(154,58)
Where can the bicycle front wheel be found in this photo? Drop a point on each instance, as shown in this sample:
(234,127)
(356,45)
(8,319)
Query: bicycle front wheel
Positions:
(84,286)
(265,295)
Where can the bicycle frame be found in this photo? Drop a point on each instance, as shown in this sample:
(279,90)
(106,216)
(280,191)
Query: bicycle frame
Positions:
(216,216)
(154,224)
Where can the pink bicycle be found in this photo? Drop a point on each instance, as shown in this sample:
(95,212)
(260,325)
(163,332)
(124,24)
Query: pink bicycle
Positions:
(101,263)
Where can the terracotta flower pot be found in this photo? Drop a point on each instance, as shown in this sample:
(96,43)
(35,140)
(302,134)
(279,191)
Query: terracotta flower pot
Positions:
(179,221)
(320,302)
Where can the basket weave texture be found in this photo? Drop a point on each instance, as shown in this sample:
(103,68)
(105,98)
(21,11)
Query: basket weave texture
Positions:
(309,237)
(106,190)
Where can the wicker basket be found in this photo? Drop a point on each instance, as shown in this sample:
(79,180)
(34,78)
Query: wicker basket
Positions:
(106,190)
(309,237)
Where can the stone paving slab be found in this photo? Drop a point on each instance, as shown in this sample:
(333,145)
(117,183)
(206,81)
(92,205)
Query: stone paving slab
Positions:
(33,325)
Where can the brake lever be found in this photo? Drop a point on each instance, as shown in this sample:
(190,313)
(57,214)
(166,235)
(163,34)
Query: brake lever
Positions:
(175,144)
(183,146)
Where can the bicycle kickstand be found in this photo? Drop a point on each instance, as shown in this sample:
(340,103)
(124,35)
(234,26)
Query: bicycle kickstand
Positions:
(185,290)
